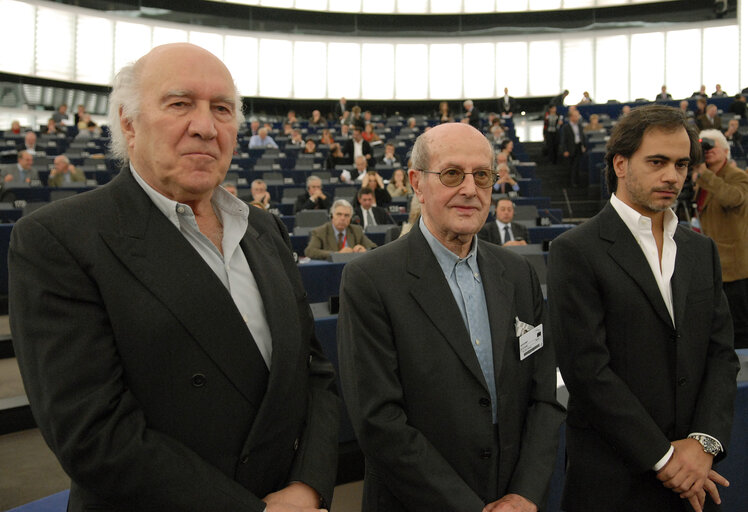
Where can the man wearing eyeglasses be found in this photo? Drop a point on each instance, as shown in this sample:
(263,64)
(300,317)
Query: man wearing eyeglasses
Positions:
(449,383)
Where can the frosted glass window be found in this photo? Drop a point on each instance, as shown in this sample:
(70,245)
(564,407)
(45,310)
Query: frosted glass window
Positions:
(275,68)
(411,71)
(444,6)
(277,3)
(164,35)
(344,70)
(479,70)
(511,68)
(544,5)
(647,65)
(720,58)
(545,68)
(17,25)
(94,59)
(478,5)
(378,6)
(682,62)
(378,75)
(309,69)
(312,5)
(240,56)
(511,5)
(578,72)
(247,2)
(131,41)
(345,5)
(611,69)
(578,4)
(210,41)
(445,71)
(55,43)
(413,6)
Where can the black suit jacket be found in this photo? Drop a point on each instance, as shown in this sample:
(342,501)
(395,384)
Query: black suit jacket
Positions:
(347,150)
(474,118)
(381,215)
(490,232)
(636,381)
(567,139)
(415,392)
(141,372)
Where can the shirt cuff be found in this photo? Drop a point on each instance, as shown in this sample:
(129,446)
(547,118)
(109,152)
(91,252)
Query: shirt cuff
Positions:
(664,460)
(719,445)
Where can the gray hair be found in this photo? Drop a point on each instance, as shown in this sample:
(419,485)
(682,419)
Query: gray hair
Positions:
(313,179)
(718,138)
(126,95)
(341,202)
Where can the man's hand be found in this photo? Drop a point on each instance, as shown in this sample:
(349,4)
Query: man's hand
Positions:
(689,473)
(359,248)
(516,242)
(297,497)
(346,249)
(511,503)
(697,170)
(8,177)
(566,154)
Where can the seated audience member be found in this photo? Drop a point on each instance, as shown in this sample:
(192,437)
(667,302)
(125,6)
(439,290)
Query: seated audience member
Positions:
(29,144)
(367,213)
(738,106)
(412,125)
(335,157)
(83,120)
(506,184)
(53,128)
(373,181)
(345,132)
(507,146)
(287,129)
(719,93)
(503,231)
(551,131)
(88,129)
(399,185)
(356,174)
(700,108)
(296,139)
(317,120)
(445,116)
(734,139)
(314,198)
(80,110)
(64,173)
(21,172)
(701,93)
(61,115)
(389,158)
(338,235)
(310,148)
(710,120)
(356,146)
(496,133)
(15,127)
(357,120)
(413,215)
(370,135)
(594,124)
(326,137)
(291,117)
(260,194)
(254,126)
(262,140)
(585,99)
(663,95)
(684,108)
(625,110)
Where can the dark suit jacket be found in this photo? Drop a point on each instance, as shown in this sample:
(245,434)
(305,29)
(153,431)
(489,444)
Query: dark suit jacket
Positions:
(490,232)
(636,382)
(141,372)
(304,202)
(347,150)
(323,242)
(704,123)
(474,118)
(567,139)
(381,215)
(415,392)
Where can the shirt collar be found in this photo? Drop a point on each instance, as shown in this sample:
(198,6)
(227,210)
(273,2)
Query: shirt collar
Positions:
(447,259)
(636,222)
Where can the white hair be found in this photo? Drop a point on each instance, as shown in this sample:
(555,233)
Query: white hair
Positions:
(126,94)
(341,202)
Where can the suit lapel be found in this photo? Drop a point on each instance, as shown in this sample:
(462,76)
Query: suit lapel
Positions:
(432,292)
(161,258)
(629,256)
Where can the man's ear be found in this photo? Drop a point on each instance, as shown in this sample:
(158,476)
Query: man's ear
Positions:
(620,164)
(125,124)
(415,182)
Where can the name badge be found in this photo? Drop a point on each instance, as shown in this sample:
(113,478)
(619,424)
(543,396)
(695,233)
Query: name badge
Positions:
(530,342)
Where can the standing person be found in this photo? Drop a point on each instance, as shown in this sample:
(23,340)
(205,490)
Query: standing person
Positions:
(551,131)
(573,147)
(644,334)
(472,116)
(451,412)
(165,345)
(722,205)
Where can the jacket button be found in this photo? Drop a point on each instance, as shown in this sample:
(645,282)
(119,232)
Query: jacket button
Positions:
(484,402)
(485,454)
(682,381)
(244,459)
(296,444)
(198,380)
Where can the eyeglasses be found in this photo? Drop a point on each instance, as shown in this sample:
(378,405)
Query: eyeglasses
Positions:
(454,177)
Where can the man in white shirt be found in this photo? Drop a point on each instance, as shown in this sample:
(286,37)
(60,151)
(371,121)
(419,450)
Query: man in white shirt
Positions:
(645,342)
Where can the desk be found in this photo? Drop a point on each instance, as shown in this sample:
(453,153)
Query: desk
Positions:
(299,242)
(539,233)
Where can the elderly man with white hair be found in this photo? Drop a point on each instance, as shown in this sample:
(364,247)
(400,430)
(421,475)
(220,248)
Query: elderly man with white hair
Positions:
(722,204)
(160,324)
(64,173)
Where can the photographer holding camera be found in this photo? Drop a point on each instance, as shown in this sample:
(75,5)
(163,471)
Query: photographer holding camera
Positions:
(722,206)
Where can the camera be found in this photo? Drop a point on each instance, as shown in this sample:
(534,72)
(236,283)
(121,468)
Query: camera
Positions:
(706,144)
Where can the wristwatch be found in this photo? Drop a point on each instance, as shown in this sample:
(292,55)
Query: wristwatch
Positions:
(710,445)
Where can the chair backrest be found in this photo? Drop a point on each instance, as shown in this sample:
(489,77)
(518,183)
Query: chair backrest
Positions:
(392,234)
(272,178)
(525,212)
(303,230)
(311,218)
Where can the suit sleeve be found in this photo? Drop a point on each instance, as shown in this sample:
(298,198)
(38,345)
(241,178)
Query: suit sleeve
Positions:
(578,326)
(731,193)
(315,247)
(80,399)
(416,473)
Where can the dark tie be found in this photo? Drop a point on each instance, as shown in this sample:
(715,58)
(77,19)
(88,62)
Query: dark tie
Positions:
(369,218)
(340,241)
(507,234)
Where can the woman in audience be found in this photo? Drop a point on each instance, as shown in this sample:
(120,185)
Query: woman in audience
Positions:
(399,185)
(444,115)
(415,212)
(310,147)
(335,157)
(369,134)
(594,124)
(15,127)
(326,137)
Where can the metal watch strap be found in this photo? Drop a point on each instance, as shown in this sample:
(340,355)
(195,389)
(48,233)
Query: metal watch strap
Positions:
(710,445)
